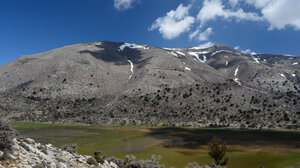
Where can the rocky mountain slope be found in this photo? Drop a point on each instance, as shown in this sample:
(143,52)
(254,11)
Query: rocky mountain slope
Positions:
(112,83)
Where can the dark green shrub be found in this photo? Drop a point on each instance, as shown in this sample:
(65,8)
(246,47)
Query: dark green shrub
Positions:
(6,138)
(217,151)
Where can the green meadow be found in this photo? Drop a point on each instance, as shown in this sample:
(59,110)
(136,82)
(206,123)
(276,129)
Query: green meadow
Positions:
(176,146)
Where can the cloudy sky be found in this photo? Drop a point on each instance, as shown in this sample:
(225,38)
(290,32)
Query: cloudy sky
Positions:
(262,26)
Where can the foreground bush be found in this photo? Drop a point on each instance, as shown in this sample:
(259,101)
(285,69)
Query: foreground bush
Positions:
(6,138)
(196,165)
(71,149)
(131,162)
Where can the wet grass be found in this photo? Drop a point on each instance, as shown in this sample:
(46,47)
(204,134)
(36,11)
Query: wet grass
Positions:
(247,148)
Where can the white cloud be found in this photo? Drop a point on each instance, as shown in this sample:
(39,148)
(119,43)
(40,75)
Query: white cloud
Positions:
(201,36)
(174,23)
(205,45)
(123,4)
(233,3)
(194,34)
(258,3)
(279,13)
(282,13)
(214,8)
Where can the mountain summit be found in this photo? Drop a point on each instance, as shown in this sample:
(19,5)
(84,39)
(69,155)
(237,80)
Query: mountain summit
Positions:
(114,83)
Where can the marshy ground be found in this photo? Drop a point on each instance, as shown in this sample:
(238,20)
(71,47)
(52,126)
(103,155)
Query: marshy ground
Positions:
(176,146)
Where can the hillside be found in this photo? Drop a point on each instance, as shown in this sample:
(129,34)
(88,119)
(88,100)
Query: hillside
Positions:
(112,83)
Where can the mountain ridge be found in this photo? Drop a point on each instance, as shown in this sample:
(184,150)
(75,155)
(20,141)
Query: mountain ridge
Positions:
(116,83)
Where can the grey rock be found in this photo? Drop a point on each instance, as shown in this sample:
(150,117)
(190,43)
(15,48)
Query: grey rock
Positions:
(98,83)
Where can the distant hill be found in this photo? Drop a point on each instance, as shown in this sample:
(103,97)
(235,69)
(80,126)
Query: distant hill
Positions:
(114,83)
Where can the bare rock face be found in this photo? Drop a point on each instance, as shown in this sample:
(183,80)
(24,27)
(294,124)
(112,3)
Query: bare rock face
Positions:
(112,83)
(27,153)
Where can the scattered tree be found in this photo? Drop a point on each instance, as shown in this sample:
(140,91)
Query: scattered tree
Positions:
(217,151)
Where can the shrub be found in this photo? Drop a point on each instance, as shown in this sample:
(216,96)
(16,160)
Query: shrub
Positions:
(97,157)
(71,149)
(217,150)
(91,161)
(130,162)
(6,138)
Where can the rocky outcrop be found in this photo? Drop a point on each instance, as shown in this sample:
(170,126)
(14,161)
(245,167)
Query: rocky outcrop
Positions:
(26,153)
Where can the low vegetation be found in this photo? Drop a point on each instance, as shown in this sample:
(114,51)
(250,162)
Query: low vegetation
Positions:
(246,148)
(6,138)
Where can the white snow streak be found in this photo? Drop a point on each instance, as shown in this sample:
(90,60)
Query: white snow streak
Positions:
(173,53)
(295,63)
(187,68)
(132,46)
(236,71)
(131,67)
(173,49)
(201,52)
(256,59)
(282,75)
(226,63)
(293,75)
(196,54)
(237,81)
(216,52)
(181,53)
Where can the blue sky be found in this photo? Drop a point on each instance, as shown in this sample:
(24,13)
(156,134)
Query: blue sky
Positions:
(263,26)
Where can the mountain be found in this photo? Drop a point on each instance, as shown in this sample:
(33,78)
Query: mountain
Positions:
(113,83)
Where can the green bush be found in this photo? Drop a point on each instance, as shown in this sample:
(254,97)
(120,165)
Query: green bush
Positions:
(217,151)
(6,138)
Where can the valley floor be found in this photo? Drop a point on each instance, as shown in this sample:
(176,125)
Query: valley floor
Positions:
(176,146)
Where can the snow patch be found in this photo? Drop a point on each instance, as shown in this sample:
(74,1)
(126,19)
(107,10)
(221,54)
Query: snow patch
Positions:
(256,59)
(132,46)
(282,75)
(236,71)
(187,68)
(226,63)
(216,52)
(293,75)
(173,53)
(181,53)
(295,63)
(196,54)
(173,49)
(131,67)
(248,51)
(237,81)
